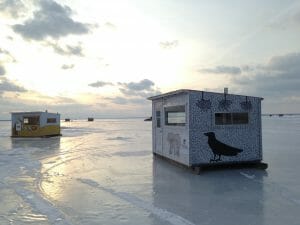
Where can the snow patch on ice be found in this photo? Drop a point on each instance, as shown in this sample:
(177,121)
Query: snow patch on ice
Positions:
(50,162)
(88,182)
(251,177)
(118,138)
(159,212)
(129,154)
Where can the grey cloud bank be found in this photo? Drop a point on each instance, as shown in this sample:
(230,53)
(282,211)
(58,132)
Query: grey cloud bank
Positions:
(278,81)
(139,86)
(67,50)
(133,102)
(2,70)
(287,63)
(134,93)
(8,86)
(144,88)
(51,20)
(280,77)
(98,84)
(141,89)
(222,69)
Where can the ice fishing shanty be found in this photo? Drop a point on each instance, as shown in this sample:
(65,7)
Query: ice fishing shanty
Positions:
(199,128)
(35,124)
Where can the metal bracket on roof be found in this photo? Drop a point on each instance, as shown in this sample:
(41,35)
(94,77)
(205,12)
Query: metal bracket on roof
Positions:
(224,104)
(246,105)
(203,104)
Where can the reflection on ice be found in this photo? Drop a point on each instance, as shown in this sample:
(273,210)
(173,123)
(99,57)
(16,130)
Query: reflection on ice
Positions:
(215,197)
(104,173)
(139,203)
(39,147)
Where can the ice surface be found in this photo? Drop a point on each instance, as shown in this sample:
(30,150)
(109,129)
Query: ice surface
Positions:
(103,172)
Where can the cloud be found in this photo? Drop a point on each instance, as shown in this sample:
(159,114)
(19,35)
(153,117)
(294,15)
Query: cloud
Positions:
(103,107)
(51,20)
(67,67)
(9,86)
(2,71)
(287,63)
(38,102)
(67,50)
(134,93)
(6,56)
(144,88)
(222,70)
(3,51)
(98,84)
(169,44)
(277,78)
(110,25)
(139,86)
(14,8)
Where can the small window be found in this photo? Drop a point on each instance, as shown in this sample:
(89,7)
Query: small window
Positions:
(223,118)
(240,118)
(26,120)
(51,120)
(31,120)
(231,118)
(158,119)
(175,115)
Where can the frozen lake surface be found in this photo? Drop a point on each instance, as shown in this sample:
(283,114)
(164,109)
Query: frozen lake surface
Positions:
(103,172)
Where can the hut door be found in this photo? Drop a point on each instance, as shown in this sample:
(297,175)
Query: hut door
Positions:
(158,131)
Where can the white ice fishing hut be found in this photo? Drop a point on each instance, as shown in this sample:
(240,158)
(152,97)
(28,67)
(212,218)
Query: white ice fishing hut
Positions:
(197,128)
(35,124)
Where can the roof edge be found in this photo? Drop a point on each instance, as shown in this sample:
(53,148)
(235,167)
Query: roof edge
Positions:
(27,112)
(180,91)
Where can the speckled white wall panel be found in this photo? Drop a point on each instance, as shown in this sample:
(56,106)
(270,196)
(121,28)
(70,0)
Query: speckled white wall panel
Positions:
(246,136)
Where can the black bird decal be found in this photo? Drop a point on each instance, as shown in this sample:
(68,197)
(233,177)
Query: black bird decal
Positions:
(219,148)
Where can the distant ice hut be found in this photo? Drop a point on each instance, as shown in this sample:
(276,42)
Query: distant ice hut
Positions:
(35,124)
(198,128)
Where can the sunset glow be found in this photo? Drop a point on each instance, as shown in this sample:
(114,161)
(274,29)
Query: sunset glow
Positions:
(86,54)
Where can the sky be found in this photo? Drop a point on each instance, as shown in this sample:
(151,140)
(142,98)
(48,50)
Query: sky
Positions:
(104,58)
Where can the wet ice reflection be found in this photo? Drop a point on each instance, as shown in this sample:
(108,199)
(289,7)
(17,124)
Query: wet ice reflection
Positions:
(215,197)
(104,173)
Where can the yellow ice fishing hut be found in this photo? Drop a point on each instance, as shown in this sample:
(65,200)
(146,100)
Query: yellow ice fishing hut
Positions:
(35,124)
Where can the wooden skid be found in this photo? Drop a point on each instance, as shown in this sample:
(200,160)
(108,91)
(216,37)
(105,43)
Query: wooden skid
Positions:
(198,169)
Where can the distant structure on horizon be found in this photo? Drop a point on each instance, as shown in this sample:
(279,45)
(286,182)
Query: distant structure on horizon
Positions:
(148,119)
(35,124)
(90,119)
(199,128)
